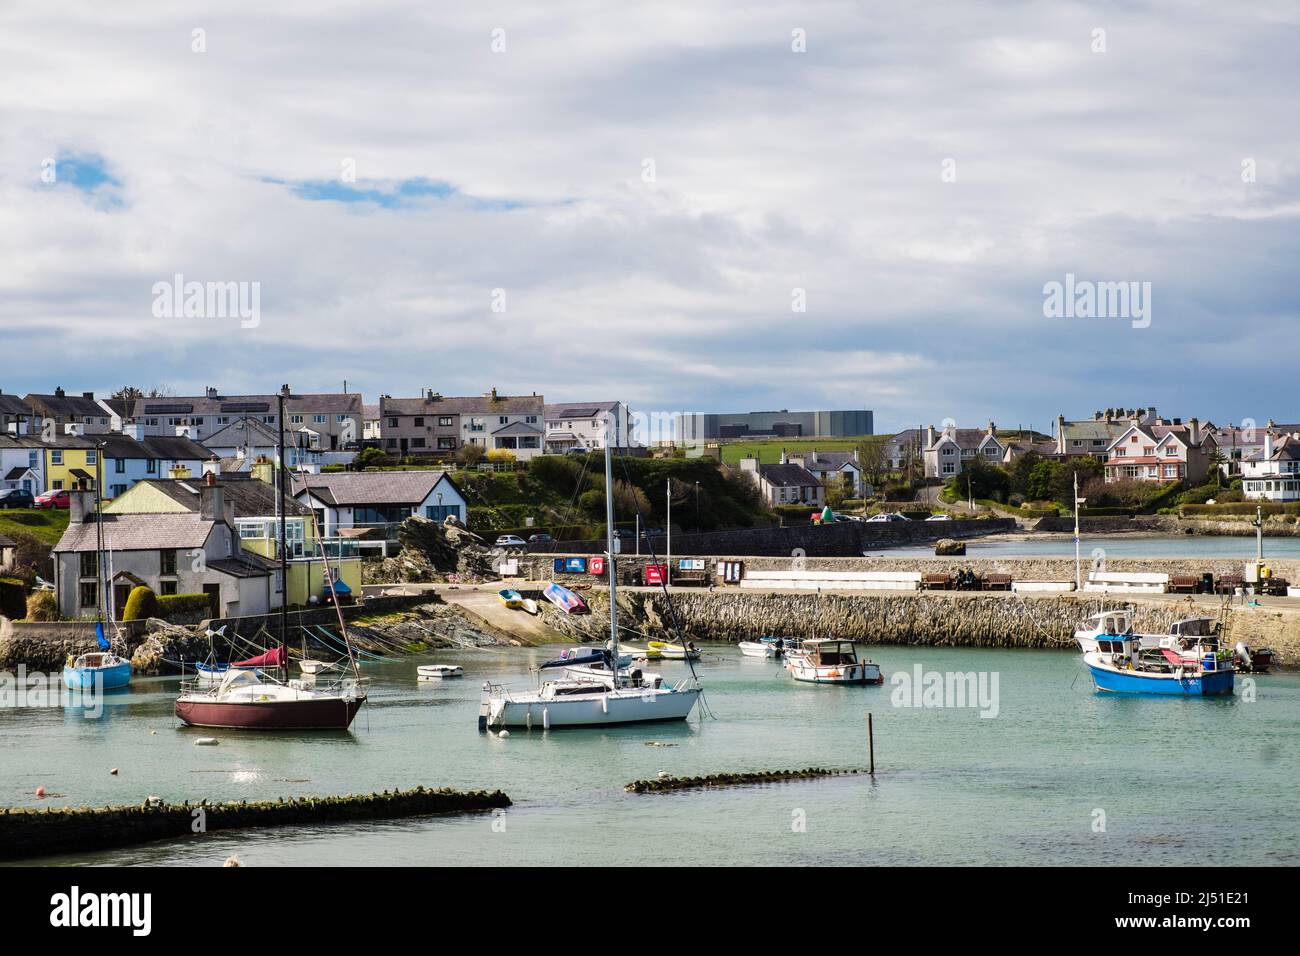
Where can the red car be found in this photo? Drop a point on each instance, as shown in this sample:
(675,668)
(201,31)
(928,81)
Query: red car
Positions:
(53,499)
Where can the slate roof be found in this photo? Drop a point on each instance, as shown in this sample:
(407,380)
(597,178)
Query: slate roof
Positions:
(176,447)
(244,565)
(139,532)
(249,497)
(326,403)
(788,476)
(349,488)
(518,428)
(827,460)
(965,438)
(577,410)
(7,542)
(66,405)
(464,405)
(15,473)
(12,405)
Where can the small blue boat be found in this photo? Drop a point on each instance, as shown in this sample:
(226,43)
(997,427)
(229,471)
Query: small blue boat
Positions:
(1179,667)
(101,670)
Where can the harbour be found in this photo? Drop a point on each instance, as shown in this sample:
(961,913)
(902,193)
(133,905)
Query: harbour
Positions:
(951,788)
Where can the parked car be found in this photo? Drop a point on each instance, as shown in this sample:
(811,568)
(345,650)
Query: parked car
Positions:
(511,541)
(652,532)
(54,498)
(939,517)
(16,498)
(540,539)
(887,516)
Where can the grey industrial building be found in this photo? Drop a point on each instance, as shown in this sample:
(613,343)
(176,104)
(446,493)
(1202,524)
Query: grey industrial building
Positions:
(705,426)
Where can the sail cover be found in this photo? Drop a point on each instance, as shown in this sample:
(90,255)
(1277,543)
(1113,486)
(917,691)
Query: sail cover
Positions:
(593,658)
(272,658)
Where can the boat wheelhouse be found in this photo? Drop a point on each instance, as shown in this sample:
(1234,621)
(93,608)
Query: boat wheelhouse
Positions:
(1179,665)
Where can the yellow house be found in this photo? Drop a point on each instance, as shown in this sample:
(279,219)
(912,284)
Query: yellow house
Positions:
(70,462)
(250,510)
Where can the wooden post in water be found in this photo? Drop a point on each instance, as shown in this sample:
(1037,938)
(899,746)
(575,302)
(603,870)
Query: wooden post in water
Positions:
(871,744)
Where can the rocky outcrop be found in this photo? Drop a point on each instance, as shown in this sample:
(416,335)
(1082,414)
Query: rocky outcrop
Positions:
(947,547)
(164,644)
(436,552)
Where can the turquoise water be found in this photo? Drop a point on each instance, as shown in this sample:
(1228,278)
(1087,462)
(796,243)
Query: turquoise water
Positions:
(1117,546)
(1180,781)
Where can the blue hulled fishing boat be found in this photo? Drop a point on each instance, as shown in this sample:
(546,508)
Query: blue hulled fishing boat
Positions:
(1180,666)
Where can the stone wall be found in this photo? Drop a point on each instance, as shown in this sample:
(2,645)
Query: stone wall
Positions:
(43,646)
(962,619)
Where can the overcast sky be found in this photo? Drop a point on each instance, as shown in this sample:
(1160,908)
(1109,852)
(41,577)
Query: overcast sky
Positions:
(649,184)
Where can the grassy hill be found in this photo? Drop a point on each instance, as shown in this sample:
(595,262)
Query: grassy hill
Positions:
(46,525)
(768,450)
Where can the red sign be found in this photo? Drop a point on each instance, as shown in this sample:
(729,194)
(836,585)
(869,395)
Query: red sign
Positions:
(596,566)
(655,573)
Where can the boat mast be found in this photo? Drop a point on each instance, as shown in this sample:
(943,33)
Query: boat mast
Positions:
(609,544)
(284,534)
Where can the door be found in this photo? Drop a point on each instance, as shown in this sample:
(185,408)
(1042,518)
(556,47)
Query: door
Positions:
(120,593)
(213,591)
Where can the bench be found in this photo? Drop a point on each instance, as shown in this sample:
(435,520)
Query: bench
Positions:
(995,582)
(1184,583)
(1227,583)
(935,582)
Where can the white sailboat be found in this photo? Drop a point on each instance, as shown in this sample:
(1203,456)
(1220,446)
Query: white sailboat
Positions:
(584,698)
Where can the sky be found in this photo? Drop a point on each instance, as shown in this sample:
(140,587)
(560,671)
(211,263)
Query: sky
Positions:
(691,206)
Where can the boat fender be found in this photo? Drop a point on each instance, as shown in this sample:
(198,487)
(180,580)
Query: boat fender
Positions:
(546,718)
(206,742)
(504,734)
(604,704)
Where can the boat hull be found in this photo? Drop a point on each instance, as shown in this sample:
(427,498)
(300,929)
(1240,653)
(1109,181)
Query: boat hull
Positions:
(333,713)
(757,649)
(863,672)
(84,678)
(1209,684)
(594,710)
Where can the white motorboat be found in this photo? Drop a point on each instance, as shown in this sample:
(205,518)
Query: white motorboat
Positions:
(768,647)
(439,671)
(825,660)
(586,699)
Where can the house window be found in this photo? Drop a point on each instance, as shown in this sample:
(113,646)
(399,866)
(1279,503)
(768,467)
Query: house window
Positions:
(92,457)
(58,485)
(446,443)
(166,587)
(295,419)
(417,442)
(151,421)
(31,459)
(504,420)
(392,423)
(252,530)
(88,594)
(151,466)
(439,512)
(268,419)
(444,421)
(391,442)
(475,425)
(197,421)
(119,465)
(167,561)
(89,564)
(338,419)
(419,421)
(119,490)
(1077,443)
(56,456)
(532,420)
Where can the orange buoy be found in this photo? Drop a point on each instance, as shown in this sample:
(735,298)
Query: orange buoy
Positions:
(40,792)
(113,771)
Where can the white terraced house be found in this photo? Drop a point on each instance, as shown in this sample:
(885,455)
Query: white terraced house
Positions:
(438,425)
(349,502)
(1273,474)
(583,426)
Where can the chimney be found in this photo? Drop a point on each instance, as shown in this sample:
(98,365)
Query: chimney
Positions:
(1060,434)
(89,395)
(929,436)
(133,429)
(494,393)
(749,463)
(1193,432)
(58,391)
(785,459)
(212,467)
(991,429)
(212,392)
(212,500)
(263,469)
(81,505)
(1268,445)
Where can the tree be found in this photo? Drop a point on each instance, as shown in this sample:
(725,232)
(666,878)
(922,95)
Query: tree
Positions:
(371,458)
(1042,479)
(980,480)
(41,606)
(1088,469)
(873,460)
(470,454)
(131,392)
(1217,461)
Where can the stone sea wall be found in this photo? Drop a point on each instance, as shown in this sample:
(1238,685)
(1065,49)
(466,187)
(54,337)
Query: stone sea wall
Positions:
(961,619)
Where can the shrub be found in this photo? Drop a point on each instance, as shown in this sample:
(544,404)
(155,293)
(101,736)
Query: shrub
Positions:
(174,606)
(470,455)
(41,606)
(500,454)
(13,599)
(371,458)
(141,603)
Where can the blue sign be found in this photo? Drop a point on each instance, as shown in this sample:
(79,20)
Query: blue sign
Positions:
(571,565)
